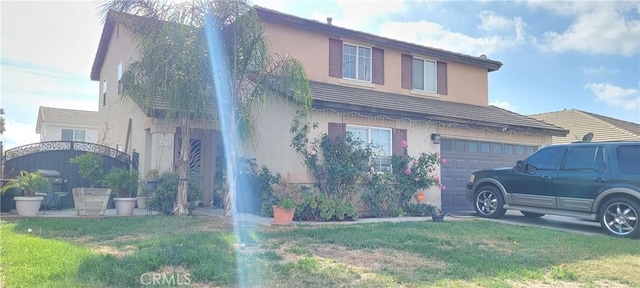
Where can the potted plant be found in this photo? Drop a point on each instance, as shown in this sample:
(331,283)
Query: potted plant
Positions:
(287,195)
(152,179)
(90,201)
(437,215)
(123,183)
(143,194)
(29,184)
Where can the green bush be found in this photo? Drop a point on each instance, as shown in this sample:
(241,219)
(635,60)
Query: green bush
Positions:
(382,198)
(317,206)
(163,199)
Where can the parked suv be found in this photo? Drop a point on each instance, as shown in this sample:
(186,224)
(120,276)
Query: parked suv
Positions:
(598,181)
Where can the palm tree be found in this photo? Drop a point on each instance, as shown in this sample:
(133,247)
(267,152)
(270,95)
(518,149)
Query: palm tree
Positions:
(191,51)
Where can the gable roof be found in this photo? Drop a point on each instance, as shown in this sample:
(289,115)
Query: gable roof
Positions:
(66,117)
(268,15)
(398,106)
(580,123)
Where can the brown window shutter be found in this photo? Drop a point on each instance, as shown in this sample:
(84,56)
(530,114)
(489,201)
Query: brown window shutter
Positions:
(407,71)
(377,66)
(399,135)
(337,129)
(335,58)
(442,78)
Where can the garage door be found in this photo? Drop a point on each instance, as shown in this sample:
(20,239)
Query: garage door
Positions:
(466,156)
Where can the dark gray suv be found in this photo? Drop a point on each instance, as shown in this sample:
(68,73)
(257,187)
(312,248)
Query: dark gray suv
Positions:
(598,181)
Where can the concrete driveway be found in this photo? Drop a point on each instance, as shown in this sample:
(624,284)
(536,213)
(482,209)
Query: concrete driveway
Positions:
(547,221)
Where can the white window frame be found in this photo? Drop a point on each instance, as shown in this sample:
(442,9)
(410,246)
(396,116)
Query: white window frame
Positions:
(368,140)
(74,134)
(424,75)
(357,57)
(104,92)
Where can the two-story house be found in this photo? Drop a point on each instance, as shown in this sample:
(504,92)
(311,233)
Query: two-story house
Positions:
(58,124)
(381,90)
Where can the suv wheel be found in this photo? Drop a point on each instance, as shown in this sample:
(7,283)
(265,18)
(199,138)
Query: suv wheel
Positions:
(619,217)
(488,202)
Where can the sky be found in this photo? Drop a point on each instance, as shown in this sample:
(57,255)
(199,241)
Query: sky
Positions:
(556,55)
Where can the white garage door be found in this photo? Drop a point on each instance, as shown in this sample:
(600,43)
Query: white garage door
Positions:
(466,156)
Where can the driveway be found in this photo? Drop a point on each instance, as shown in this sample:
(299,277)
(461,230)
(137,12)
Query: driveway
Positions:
(547,221)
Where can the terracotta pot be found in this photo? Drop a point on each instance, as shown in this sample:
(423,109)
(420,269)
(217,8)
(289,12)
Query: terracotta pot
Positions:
(282,216)
(420,196)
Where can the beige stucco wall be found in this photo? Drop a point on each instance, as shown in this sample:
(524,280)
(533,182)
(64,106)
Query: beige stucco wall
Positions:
(466,84)
(52,132)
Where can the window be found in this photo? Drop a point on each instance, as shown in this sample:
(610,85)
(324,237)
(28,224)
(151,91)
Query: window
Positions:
(356,62)
(424,75)
(104,92)
(380,139)
(120,78)
(72,135)
(545,159)
(584,158)
(628,156)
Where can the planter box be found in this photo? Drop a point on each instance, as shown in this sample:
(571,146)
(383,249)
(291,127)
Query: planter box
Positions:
(142,202)
(91,201)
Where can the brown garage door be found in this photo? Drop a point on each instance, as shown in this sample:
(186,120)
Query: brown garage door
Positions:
(466,156)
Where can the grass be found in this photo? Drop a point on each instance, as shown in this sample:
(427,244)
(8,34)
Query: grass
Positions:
(203,252)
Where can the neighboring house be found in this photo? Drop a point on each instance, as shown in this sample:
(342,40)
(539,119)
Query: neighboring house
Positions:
(579,123)
(380,89)
(57,124)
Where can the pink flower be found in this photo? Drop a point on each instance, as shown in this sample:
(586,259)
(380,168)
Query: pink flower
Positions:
(443,160)
(407,171)
(372,169)
(443,187)
(437,179)
(415,162)
(417,178)
(404,143)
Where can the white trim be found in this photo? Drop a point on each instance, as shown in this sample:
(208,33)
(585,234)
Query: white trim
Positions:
(370,61)
(360,83)
(424,93)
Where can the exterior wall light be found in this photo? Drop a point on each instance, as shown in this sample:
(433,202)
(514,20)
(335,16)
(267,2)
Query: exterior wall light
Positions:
(435,138)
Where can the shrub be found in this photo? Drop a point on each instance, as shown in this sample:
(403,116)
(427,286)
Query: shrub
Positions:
(381,198)
(163,199)
(122,182)
(317,206)
(90,167)
(419,209)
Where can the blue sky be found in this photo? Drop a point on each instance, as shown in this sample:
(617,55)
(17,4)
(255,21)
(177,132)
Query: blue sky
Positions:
(557,55)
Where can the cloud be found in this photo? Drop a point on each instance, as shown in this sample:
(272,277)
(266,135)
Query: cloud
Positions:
(502,104)
(599,70)
(626,98)
(491,21)
(609,28)
(439,37)
(356,15)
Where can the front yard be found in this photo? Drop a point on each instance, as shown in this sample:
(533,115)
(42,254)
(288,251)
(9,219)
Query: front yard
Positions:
(203,252)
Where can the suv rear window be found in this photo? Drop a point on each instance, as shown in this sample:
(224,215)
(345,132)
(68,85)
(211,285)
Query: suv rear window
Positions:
(628,156)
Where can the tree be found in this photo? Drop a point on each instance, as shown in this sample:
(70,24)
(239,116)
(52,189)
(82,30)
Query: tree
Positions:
(2,129)
(195,56)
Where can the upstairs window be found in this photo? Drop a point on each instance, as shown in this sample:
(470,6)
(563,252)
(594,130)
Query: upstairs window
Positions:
(120,78)
(356,62)
(73,135)
(104,92)
(419,74)
(424,75)
(380,139)
(352,61)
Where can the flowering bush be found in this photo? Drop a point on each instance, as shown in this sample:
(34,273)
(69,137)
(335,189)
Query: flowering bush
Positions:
(412,173)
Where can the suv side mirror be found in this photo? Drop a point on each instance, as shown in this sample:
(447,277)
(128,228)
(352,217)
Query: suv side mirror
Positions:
(519,164)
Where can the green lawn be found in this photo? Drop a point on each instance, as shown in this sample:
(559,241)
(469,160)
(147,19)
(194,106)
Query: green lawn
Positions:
(203,252)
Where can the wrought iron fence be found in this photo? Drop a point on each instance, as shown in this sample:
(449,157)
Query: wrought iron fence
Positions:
(66,146)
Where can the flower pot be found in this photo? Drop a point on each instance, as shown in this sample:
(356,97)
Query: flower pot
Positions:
(28,206)
(125,206)
(437,218)
(142,202)
(282,216)
(91,201)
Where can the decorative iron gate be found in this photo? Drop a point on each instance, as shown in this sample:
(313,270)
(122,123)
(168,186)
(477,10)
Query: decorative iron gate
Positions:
(55,155)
